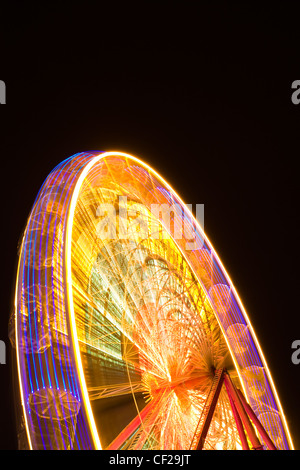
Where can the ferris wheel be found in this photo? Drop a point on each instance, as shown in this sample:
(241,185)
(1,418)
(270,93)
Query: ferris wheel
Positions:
(127,329)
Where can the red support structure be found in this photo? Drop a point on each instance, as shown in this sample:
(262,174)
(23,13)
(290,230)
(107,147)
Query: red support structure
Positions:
(242,413)
(239,424)
(256,422)
(134,424)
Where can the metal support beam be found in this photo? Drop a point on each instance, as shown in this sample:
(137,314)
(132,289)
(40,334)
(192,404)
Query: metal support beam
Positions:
(132,426)
(146,417)
(208,411)
(239,424)
(256,422)
(243,415)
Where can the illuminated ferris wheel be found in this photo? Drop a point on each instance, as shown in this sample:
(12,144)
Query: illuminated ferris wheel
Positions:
(128,331)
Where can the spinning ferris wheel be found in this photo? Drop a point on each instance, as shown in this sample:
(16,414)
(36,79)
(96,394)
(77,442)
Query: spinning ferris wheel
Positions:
(128,331)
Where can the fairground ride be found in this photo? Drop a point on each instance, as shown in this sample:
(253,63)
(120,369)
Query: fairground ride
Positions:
(127,329)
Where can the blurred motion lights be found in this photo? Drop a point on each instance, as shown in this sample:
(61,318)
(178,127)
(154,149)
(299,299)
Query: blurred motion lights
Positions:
(127,336)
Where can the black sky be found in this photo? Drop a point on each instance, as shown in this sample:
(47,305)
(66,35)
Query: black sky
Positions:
(203,94)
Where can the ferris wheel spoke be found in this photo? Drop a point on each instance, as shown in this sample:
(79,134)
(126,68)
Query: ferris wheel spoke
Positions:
(147,415)
(115,390)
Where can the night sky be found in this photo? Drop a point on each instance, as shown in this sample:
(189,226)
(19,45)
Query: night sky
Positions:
(203,95)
